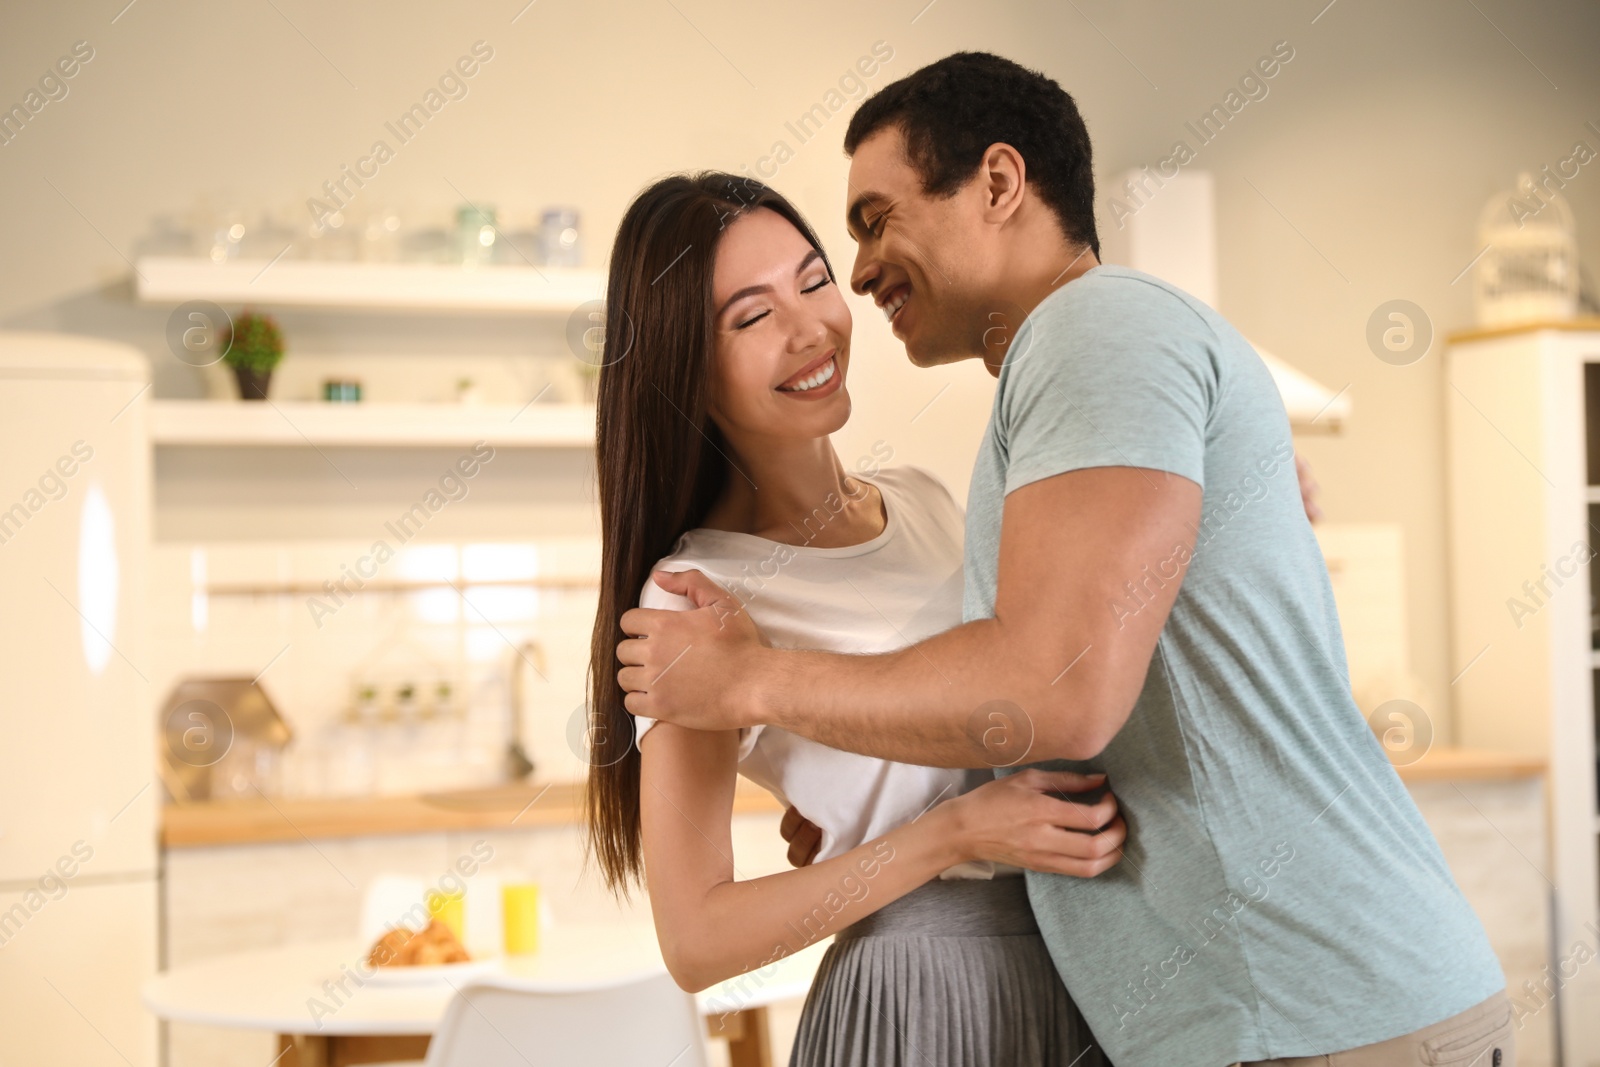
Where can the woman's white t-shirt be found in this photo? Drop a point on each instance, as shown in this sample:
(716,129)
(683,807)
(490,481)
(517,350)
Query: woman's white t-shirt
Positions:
(898,588)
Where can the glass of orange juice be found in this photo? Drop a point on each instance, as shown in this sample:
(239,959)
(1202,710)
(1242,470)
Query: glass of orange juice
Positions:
(520,907)
(450,909)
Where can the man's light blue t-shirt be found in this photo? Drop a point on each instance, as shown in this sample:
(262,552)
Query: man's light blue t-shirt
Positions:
(1281,895)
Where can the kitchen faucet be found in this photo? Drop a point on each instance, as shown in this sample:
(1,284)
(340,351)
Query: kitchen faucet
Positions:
(518,765)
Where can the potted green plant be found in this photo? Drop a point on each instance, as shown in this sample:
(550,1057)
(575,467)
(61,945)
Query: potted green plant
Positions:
(252,348)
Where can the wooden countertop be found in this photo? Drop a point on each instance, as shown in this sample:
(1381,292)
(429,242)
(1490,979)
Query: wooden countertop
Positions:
(249,822)
(1482,333)
(1468,764)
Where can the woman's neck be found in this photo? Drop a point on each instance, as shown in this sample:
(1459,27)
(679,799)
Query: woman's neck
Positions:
(797,493)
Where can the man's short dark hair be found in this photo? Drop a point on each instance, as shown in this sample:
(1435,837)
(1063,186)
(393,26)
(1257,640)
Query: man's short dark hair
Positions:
(952,110)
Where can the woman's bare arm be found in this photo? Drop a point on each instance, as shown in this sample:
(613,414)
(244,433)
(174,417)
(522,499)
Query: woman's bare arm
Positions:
(713,926)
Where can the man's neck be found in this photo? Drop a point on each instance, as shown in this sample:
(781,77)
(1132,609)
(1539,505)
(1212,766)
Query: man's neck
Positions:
(1035,274)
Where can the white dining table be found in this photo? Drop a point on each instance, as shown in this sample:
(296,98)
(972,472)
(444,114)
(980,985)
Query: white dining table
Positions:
(315,997)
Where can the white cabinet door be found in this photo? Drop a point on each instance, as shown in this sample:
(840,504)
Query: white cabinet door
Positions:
(75,699)
(71,964)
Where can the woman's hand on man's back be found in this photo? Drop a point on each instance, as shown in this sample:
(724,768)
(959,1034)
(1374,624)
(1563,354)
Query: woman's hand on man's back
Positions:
(803,835)
(1026,820)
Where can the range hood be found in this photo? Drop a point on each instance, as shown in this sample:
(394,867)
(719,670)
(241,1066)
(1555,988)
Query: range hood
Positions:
(1167,227)
(1312,407)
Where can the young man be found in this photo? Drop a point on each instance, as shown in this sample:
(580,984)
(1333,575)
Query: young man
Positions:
(1145,597)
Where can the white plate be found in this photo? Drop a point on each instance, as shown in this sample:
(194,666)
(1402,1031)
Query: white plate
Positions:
(454,973)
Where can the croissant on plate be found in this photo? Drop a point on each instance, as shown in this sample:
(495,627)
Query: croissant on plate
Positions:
(404,947)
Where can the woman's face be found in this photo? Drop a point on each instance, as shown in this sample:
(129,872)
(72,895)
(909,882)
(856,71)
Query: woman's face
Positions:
(782,333)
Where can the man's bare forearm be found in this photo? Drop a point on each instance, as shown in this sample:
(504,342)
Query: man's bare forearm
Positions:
(964,698)
(1053,674)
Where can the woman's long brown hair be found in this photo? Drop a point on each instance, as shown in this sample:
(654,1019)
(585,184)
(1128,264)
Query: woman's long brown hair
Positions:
(661,462)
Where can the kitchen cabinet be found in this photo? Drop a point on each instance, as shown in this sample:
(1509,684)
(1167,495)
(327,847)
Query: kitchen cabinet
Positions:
(1523,424)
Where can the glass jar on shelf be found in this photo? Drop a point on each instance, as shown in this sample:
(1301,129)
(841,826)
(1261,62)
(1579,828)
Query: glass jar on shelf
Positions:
(559,240)
(406,705)
(224,235)
(329,237)
(517,245)
(381,235)
(274,234)
(475,235)
(428,242)
(349,763)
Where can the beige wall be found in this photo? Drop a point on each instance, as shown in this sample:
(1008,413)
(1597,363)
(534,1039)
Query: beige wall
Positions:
(1356,180)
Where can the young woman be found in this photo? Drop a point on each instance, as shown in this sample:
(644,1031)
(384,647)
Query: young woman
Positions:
(727,352)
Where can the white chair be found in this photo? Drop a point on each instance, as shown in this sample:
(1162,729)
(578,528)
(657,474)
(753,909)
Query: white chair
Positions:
(499,1022)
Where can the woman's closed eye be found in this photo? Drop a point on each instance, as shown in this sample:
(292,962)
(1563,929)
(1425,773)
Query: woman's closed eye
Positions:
(757,317)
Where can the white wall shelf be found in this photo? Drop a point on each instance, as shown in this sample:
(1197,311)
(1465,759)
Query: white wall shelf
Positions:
(401,287)
(301,423)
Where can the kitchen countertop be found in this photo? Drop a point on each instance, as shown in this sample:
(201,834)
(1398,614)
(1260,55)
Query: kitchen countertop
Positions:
(1444,764)
(521,807)
(264,820)
(1481,333)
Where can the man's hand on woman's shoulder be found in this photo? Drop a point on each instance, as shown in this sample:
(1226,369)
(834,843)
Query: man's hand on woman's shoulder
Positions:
(692,667)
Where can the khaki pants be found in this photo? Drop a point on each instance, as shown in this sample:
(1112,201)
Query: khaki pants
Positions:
(1481,1036)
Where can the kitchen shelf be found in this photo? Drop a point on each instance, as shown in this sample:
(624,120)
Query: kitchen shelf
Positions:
(302,423)
(425,287)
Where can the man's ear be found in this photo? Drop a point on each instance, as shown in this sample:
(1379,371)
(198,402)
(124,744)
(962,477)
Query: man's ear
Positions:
(1003,177)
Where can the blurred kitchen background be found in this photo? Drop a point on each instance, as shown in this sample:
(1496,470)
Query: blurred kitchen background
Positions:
(282,650)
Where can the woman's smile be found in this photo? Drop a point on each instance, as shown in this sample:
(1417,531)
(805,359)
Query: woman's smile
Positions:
(816,379)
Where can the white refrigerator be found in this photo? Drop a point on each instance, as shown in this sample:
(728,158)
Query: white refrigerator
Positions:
(78,795)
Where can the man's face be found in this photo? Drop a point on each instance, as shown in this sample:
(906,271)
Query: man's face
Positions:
(926,261)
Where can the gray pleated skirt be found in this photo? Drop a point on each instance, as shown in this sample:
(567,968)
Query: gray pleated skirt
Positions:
(953,973)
